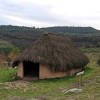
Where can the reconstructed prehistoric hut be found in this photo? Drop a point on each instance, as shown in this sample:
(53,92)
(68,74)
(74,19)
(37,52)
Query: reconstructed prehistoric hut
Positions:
(51,56)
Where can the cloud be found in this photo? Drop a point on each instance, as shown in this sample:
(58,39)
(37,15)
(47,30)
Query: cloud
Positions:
(41,13)
(27,22)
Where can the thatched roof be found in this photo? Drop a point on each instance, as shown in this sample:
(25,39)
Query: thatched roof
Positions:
(58,52)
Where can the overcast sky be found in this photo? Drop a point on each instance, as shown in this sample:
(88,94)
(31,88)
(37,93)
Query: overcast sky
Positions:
(45,13)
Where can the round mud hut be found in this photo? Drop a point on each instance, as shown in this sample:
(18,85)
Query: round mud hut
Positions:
(51,56)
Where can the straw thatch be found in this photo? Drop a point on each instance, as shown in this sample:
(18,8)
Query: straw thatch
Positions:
(58,52)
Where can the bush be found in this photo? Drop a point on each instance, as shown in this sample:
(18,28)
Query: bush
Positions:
(7,74)
(98,61)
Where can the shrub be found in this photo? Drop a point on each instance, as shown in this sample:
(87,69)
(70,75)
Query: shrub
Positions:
(98,61)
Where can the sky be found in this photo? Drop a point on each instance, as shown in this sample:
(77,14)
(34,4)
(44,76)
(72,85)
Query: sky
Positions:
(48,13)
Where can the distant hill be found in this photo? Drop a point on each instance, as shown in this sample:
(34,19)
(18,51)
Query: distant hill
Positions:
(5,46)
(23,37)
(76,30)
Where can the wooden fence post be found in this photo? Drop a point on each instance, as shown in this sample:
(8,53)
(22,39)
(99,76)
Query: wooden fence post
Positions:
(79,78)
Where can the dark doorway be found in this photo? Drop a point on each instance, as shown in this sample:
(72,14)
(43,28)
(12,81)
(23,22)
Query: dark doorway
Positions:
(31,69)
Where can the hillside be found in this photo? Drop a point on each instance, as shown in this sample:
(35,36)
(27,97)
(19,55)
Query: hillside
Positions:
(23,37)
(5,46)
(19,36)
(75,30)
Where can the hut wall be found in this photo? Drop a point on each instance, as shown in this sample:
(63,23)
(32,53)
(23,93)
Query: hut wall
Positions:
(20,70)
(45,72)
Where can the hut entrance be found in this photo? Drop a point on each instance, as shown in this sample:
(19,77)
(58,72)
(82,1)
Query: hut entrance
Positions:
(31,69)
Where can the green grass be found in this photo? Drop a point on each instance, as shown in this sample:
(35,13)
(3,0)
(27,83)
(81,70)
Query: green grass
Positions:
(91,50)
(7,74)
(50,89)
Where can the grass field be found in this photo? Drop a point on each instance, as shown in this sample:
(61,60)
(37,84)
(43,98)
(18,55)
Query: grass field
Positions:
(51,89)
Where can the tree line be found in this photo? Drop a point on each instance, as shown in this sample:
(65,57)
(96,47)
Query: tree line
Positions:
(23,37)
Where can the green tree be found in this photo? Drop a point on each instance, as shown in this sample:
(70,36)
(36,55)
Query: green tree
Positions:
(14,53)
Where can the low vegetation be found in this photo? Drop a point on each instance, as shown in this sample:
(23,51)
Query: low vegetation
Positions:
(51,89)
(7,74)
(5,47)
(98,61)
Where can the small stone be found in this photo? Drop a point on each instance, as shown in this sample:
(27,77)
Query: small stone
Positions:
(6,87)
(74,90)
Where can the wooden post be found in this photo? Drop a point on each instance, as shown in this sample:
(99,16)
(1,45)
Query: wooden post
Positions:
(79,78)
